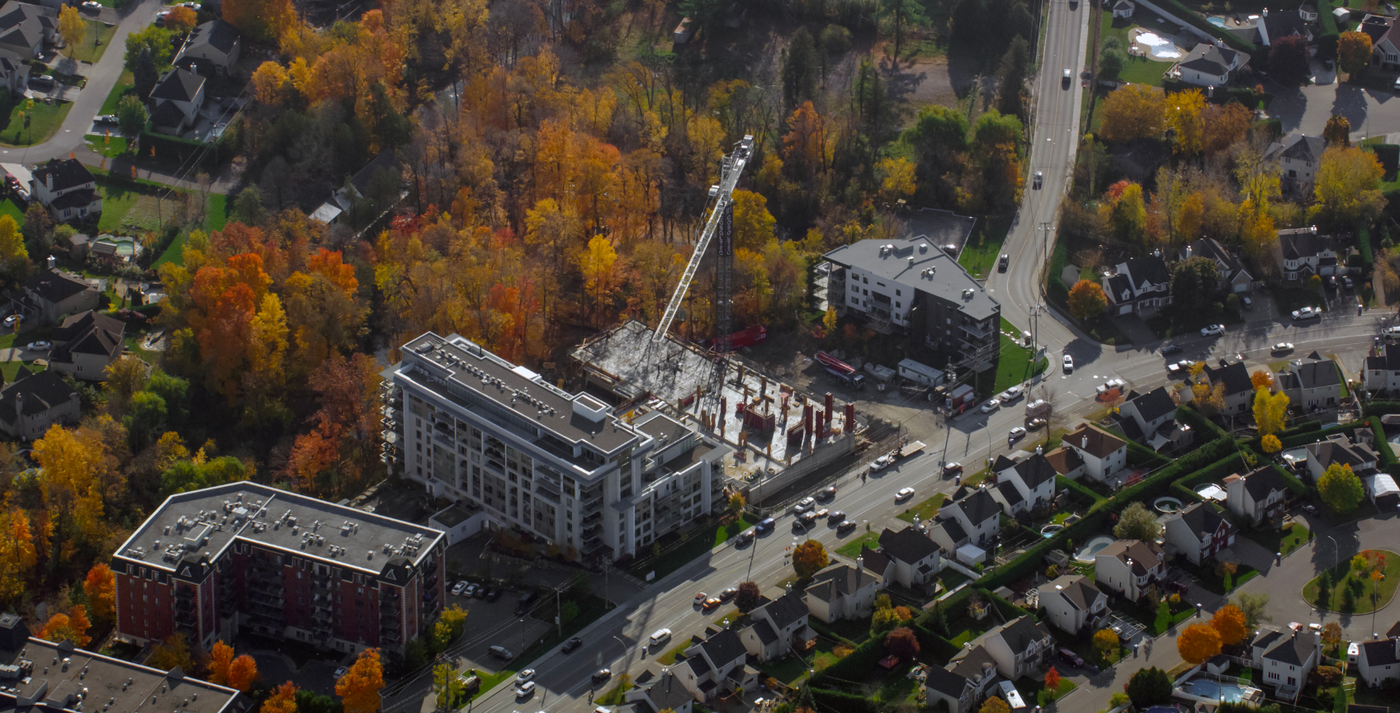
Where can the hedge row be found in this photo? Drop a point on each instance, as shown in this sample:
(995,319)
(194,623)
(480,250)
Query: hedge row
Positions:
(1157,484)
(827,699)
(1220,95)
(1143,457)
(1381,408)
(1387,455)
(1064,483)
(1328,37)
(1363,239)
(1197,420)
(1006,609)
(1304,439)
(1198,21)
(855,665)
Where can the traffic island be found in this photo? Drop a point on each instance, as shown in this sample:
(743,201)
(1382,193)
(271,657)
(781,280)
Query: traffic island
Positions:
(1354,588)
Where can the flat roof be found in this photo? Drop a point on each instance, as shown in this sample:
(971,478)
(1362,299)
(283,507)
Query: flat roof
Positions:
(909,261)
(209,520)
(462,371)
(60,677)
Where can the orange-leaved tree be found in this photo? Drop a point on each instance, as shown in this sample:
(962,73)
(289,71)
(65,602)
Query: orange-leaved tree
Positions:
(1229,623)
(100,586)
(220,657)
(72,626)
(18,555)
(1198,643)
(1261,379)
(242,673)
(359,687)
(1086,300)
(1052,679)
(809,558)
(282,700)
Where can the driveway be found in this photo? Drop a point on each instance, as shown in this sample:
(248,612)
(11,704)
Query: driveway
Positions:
(1306,110)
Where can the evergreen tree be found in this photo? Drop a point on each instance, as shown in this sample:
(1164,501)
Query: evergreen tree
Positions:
(144,73)
(1012,76)
(800,69)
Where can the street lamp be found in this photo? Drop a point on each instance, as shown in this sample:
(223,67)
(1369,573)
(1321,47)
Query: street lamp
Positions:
(1336,552)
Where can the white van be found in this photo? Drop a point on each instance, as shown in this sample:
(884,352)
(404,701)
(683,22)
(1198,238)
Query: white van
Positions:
(660,636)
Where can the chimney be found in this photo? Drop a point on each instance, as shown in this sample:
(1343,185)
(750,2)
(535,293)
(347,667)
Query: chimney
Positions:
(1265,13)
(860,564)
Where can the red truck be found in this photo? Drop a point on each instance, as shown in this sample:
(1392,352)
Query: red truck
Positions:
(744,338)
(843,372)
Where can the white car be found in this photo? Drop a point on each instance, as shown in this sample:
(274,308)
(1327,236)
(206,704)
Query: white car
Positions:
(525,675)
(469,591)
(1016,434)
(991,405)
(11,320)
(881,463)
(1011,394)
(92,5)
(341,672)
(1213,330)
(459,587)
(806,504)
(1069,364)
(903,494)
(1306,313)
(39,346)
(1283,347)
(525,689)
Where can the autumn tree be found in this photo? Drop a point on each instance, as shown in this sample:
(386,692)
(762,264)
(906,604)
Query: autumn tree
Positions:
(1225,126)
(1270,444)
(72,27)
(1137,523)
(1087,300)
(282,700)
(1255,608)
(1208,398)
(1331,635)
(1353,51)
(1128,214)
(78,472)
(1197,643)
(359,687)
(1133,111)
(1052,679)
(1340,489)
(748,598)
(1347,186)
(897,178)
(13,254)
(994,704)
(809,558)
(18,555)
(171,653)
(1228,621)
(100,586)
(1149,686)
(598,265)
(753,224)
(220,658)
(1337,132)
(1288,60)
(243,673)
(72,626)
(1106,643)
(1261,379)
(902,643)
(1270,411)
(180,20)
(1185,116)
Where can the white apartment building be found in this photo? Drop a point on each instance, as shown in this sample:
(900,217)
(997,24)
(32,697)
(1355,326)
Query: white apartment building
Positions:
(536,459)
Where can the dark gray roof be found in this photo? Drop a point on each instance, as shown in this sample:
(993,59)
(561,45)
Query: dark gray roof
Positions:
(385,161)
(1145,555)
(88,333)
(216,33)
(908,545)
(54,286)
(1209,59)
(1077,589)
(948,281)
(178,85)
(946,682)
(786,609)
(1153,404)
(167,114)
(1285,23)
(1021,632)
(75,199)
(1010,493)
(1034,470)
(979,506)
(1151,268)
(1318,374)
(764,631)
(1389,361)
(1380,653)
(724,647)
(34,393)
(970,662)
(67,173)
(1299,243)
(1262,482)
(1202,519)
(839,580)
(1235,377)
(1208,248)
(24,23)
(1117,286)
(1293,650)
(1265,639)
(1339,450)
(1303,148)
(874,560)
(668,693)
(953,528)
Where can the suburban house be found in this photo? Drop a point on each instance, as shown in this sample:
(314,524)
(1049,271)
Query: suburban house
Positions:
(1381,371)
(211,49)
(1379,661)
(1089,451)
(952,539)
(176,101)
(718,665)
(964,681)
(1339,449)
(911,286)
(1239,388)
(1138,286)
(1198,532)
(358,188)
(1298,158)
(1285,658)
(67,189)
(841,591)
(1316,383)
(776,627)
(1208,65)
(1385,41)
(906,557)
(1233,275)
(1303,253)
(977,513)
(1023,485)
(665,692)
(1018,647)
(1123,9)
(1150,419)
(1257,495)
(1279,24)
(1129,567)
(26,28)
(32,403)
(86,344)
(1073,604)
(14,73)
(53,295)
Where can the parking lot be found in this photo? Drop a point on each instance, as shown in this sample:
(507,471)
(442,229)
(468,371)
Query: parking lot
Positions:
(494,624)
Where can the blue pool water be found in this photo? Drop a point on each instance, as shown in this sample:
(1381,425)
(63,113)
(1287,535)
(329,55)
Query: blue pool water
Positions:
(1092,548)
(1206,688)
(1217,21)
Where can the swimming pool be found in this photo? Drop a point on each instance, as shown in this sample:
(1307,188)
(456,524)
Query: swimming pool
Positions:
(122,246)
(1092,547)
(1217,21)
(1158,47)
(1228,692)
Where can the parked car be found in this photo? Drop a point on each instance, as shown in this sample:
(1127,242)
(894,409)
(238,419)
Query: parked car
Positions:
(1070,657)
(1213,330)
(1036,424)
(882,463)
(602,675)
(572,644)
(341,672)
(660,636)
(92,5)
(845,527)
(1306,313)
(903,494)
(1011,394)
(728,594)
(459,587)
(951,469)
(469,591)
(40,346)
(494,594)
(1247,302)
(745,537)
(766,525)
(502,653)
(1347,283)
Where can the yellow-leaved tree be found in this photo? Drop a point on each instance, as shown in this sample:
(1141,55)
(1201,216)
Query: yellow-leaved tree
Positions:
(359,687)
(1185,116)
(1133,111)
(1347,186)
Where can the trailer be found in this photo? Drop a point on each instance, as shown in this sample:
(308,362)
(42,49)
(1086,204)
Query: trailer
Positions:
(843,372)
(920,373)
(743,338)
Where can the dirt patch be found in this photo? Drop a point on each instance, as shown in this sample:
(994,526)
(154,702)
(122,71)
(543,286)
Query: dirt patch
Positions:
(929,80)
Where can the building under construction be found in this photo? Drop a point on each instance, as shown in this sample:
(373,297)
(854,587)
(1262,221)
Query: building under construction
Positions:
(778,433)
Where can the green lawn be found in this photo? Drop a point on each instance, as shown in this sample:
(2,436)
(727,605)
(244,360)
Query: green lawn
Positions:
(852,549)
(723,532)
(925,510)
(1343,575)
(8,207)
(1044,696)
(1293,536)
(614,696)
(1014,366)
(42,119)
(787,670)
(99,36)
(979,255)
(124,84)
(109,146)
(670,657)
(1138,70)
(174,253)
(216,212)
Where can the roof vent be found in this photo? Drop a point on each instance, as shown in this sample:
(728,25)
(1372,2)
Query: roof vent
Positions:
(923,248)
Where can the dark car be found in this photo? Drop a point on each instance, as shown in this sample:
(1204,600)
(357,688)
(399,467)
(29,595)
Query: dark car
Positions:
(572,644)
(1003,262)
(1070,657)
(1171,349)
(827,494)
(481,592)
(744,537)
(494,594)
(845,527)
(836,518)
(766,525)
(952,469)
(601,675)
(728,594)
